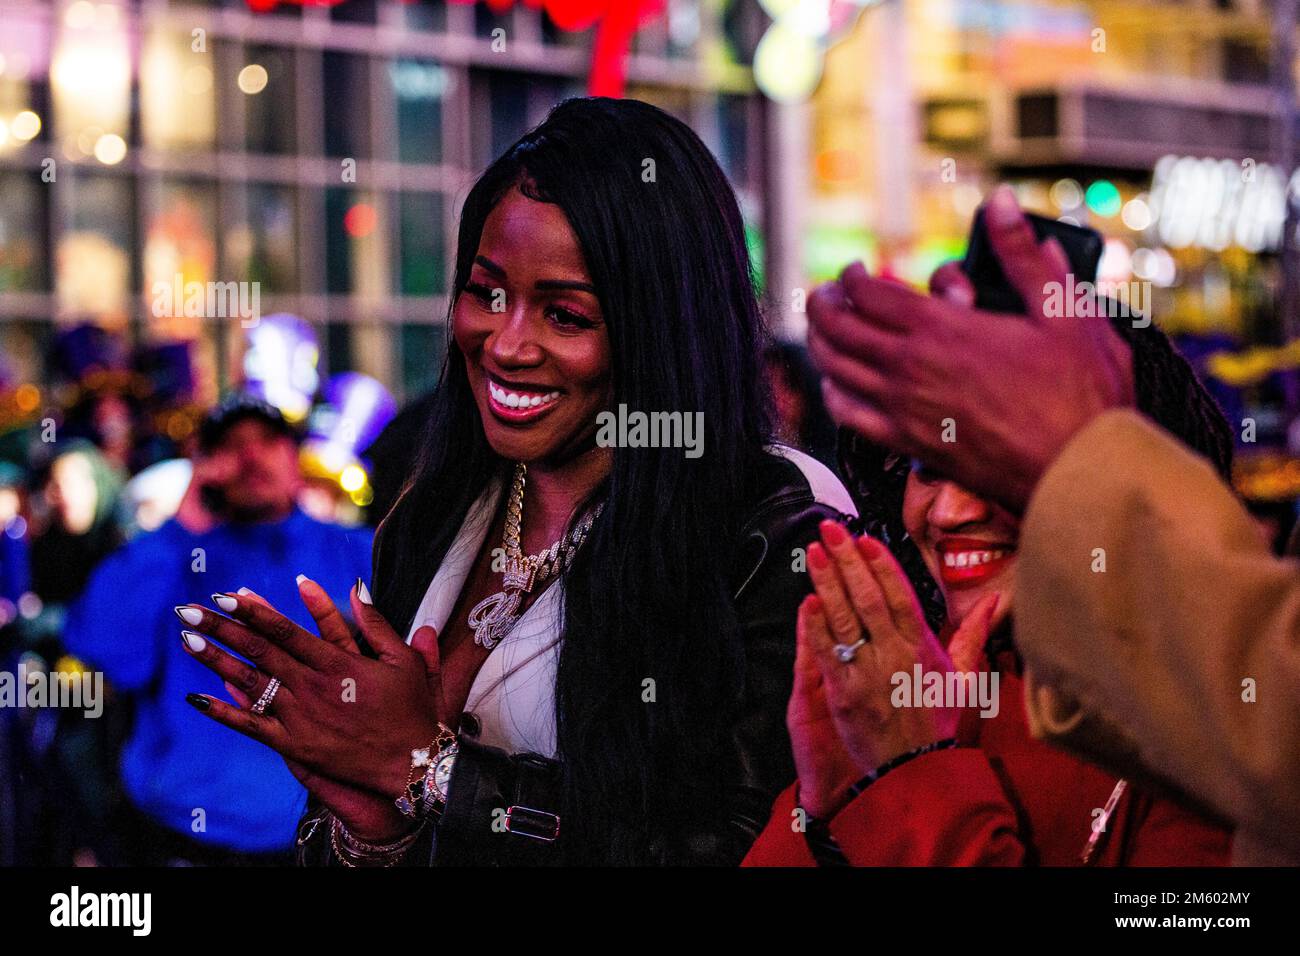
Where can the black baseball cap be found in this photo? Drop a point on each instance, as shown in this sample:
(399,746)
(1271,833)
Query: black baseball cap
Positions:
(235,408)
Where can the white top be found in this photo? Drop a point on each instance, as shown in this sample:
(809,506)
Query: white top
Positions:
(513,695)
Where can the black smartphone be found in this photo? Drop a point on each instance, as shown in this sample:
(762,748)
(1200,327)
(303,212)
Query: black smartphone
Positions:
(214,500)
(993,292)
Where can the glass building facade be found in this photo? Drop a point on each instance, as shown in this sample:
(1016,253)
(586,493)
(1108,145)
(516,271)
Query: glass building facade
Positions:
(319,152)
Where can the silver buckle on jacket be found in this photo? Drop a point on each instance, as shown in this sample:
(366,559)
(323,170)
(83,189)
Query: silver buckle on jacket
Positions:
(534,824)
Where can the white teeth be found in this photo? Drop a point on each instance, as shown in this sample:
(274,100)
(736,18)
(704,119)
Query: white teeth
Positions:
(519,399)
(970,559)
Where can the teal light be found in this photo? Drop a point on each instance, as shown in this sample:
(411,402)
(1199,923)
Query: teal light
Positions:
(1103,198)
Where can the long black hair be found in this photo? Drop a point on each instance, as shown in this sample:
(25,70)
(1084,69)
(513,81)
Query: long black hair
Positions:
(650,664)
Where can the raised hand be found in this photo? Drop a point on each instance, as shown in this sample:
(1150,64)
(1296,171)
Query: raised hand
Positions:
(868,627)
(908,370)
(345,724)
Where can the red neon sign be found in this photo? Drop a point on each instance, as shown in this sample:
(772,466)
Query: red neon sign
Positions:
(616,22)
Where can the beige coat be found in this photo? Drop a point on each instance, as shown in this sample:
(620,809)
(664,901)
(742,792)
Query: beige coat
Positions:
(1162,637)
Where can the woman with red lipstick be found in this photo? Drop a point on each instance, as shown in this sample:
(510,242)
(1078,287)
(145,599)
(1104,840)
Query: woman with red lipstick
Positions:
(893,768)
(576,652)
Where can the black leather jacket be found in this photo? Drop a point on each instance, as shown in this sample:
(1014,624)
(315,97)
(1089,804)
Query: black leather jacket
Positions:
(769,584)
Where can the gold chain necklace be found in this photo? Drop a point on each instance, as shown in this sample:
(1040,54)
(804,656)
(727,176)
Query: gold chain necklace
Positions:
(494,617)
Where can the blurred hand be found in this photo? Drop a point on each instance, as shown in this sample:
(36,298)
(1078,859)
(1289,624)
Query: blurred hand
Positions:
(899,365)
(211,473)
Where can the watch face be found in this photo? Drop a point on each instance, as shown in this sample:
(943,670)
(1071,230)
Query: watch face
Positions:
(442,768)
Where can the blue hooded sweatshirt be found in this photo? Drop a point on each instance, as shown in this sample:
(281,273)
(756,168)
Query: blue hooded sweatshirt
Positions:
(180,768)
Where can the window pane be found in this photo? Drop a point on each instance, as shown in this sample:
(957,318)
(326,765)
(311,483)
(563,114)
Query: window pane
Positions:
(93,261)
(177,93)
(23,233)
(180,248)
(419,88)
(347,104)
(356,243)
(427,15)
(271,114)
(356,11)
(733,130)
(500,113)
(423,257)
(422,354)
(267,240)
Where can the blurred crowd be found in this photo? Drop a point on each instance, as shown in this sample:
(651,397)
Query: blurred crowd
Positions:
(122,493)
(117,462)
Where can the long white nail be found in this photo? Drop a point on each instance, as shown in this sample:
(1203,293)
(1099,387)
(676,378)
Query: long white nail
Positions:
(363,592)
(225,602)
(243,591)
(190,615)
(194,642)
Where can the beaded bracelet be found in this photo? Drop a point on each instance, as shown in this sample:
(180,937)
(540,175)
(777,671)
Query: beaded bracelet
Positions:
(896,762)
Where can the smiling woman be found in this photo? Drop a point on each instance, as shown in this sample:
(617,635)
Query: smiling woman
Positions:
(599,640)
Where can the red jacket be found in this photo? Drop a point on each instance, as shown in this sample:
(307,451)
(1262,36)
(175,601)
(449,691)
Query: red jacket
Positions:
(1001,798)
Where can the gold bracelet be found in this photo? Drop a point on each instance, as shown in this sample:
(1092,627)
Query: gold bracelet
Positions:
(411,801)
(354,852)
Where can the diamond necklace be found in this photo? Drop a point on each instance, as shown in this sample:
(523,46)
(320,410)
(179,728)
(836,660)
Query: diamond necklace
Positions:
(494,617)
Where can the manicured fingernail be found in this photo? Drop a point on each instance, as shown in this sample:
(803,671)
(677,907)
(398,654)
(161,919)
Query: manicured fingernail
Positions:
(817,556)
(193,642)
(1003,210)
(198,702)
(833,534)
(225,602)
(300,578)
(812,604)
(363,592)
(190,615)
(243,591)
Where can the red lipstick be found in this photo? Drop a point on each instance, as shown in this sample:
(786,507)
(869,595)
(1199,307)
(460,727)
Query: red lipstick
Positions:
(965,562)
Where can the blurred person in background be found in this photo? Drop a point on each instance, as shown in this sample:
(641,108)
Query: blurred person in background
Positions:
(799,414)
(15,581)
(15,555)
(192,793)
(76,525)
(81,522)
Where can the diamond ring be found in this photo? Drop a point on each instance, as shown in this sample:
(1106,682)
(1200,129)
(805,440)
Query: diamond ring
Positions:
(846,652)
(268,695)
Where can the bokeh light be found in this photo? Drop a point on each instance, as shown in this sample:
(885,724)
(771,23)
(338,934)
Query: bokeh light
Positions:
(1103,198)
(110,149)
(253,79)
